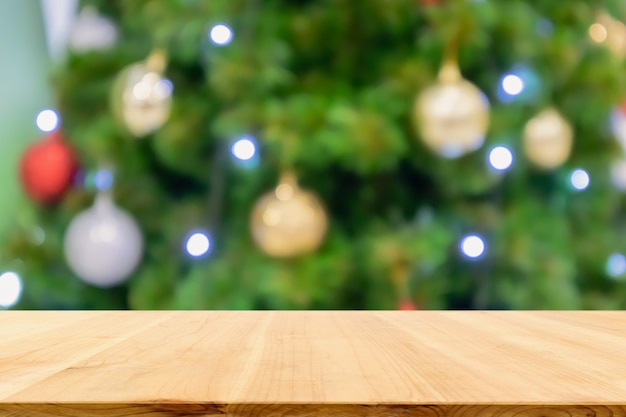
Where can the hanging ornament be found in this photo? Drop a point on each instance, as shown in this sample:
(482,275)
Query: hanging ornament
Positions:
(453,114)
(103,244)
(91,31)
(548,139)
(47,168)
(288,221)
(142,98)
(611,32)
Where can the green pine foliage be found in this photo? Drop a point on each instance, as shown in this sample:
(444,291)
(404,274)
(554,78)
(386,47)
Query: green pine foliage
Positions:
(328,86)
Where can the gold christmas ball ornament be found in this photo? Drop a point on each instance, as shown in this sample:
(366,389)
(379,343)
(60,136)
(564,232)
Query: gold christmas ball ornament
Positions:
(452,115)
(548,139)
(288,221)
(142,97)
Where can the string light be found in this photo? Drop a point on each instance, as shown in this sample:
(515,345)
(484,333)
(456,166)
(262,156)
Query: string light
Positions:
(47,120)
(10,289)
(512,84)
(244,148)
(221,34)
(198,244)
(472,246)
(579,179)
(500,158)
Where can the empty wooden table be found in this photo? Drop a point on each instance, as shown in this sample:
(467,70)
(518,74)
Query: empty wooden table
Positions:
(312,363)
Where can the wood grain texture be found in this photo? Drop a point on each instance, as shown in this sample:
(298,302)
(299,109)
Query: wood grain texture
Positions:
(313,363)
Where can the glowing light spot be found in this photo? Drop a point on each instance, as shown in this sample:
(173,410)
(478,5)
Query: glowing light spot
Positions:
(244,148)
(163,88)
(512,84)
(579,179)
(616,265)
(598,32)
(10,289)
(500,158)
(103,179)
(198,244)
(472,246)
(221,34)
(47,120)
(141,90)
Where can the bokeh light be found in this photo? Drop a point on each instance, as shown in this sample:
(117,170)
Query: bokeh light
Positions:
(221,34)
(616,265)
(244,148)
(598,32)
(579,179)
(47,120)
(512,84)
(10,289)
(472,246)
(500,158)
(103,179)
(198,244)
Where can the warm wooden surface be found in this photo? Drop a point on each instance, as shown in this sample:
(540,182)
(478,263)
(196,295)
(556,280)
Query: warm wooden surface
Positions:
(431,364)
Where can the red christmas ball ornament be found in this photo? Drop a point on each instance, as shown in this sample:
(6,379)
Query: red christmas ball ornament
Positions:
(47,168)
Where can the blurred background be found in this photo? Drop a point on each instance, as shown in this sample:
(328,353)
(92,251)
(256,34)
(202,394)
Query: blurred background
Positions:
(313,154)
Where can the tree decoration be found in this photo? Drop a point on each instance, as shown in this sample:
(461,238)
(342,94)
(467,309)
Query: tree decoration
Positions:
(548,139)
(47,168)
(142,97)
(611,32)
(91,31)
(103,244)
(453,114)
(288,221)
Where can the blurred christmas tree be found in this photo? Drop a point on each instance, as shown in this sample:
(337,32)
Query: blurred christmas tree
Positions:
(388,183)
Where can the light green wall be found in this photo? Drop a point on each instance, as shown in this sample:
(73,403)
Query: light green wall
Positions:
(24,90)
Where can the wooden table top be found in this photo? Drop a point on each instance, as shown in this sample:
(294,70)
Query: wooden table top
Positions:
(309,363)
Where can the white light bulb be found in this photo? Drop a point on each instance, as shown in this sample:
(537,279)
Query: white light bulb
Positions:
(579,179)
(512,84)
(198,244)
(500,158)
(221,34)
(472,246)
(244,149)
(47,120)
(10,289)
(616,265)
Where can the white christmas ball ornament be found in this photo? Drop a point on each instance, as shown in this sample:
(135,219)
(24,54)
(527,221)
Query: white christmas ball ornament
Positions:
(92,31)
(103,244)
